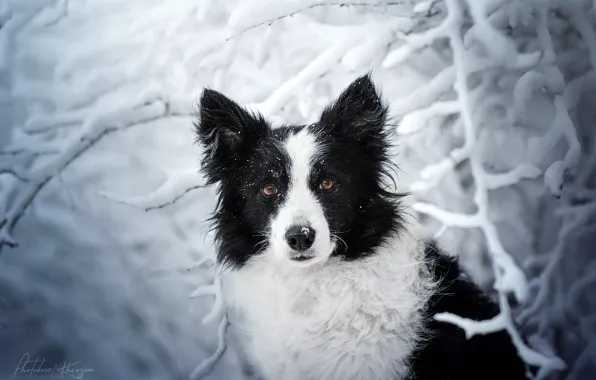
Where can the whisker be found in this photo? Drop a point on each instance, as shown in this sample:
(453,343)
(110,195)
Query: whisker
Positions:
(341,232)
(260,243)
(259,250)
(340,240)
(260,234)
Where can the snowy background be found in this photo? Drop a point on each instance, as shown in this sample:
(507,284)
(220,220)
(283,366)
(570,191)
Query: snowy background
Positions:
(104,250)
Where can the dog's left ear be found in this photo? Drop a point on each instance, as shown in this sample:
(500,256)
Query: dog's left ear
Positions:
(358,111)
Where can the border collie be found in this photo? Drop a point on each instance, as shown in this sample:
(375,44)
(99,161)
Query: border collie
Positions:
(326,278)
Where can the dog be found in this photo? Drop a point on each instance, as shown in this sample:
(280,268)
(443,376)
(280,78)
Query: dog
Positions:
(325,276)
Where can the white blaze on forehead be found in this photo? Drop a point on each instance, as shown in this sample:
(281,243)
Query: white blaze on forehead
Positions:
(301,149)
(301,207)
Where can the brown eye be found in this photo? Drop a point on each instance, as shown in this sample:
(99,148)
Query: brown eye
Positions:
(269,190)
(327,184)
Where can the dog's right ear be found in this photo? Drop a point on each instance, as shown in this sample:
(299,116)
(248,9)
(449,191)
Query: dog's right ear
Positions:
(227,132)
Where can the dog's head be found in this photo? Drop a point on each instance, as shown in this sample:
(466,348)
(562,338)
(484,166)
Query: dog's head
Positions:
(299,193)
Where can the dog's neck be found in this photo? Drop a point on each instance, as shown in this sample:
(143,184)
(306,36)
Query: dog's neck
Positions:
(323,317)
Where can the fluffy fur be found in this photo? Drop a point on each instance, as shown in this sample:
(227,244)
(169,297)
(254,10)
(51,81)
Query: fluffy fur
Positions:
(335,321)
(326,279)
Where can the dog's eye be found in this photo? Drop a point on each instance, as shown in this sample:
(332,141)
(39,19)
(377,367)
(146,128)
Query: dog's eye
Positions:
(327,184)
(269,190)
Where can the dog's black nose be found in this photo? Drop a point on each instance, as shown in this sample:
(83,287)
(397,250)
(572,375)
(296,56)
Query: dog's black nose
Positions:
(300,238)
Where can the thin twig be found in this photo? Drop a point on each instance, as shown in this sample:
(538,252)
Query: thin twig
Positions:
(430,13)
(176,198)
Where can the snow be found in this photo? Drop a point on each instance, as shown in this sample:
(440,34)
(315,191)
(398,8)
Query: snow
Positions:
(415,121)
(103,212)
(318,67)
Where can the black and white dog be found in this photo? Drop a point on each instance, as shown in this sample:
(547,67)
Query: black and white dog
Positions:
(326,277)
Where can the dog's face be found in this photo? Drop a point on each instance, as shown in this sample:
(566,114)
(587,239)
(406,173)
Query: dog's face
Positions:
(299,193)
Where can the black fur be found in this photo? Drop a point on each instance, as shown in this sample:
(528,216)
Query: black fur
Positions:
(242,153)
(447,354)
(356,122)
(228,132)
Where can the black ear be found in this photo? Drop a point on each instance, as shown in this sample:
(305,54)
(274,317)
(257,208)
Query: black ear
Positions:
(227,132)
(358,111)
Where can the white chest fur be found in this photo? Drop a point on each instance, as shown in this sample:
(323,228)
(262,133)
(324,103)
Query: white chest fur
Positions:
(339,321)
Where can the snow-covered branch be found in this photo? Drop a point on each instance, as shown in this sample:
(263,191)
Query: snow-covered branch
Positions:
(417,120)
(207,365)
(14,170)
(217,311)
(447,217)
(509,277)
(471,327)
(177,184)
(575,217)
(415,42)
(427,94)
(96,126)
(520,172)
(315,69)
